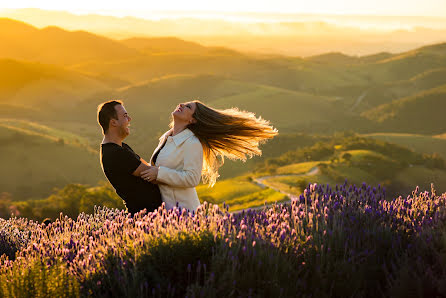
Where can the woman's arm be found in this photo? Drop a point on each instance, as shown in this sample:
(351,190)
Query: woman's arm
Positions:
(189,176)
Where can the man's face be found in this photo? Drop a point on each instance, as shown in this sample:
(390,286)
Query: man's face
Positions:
(123,121)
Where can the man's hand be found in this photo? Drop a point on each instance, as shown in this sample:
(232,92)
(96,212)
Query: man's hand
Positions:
(150,174)
(142,167)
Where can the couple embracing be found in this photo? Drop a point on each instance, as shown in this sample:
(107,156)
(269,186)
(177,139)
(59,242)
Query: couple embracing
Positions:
(194,147)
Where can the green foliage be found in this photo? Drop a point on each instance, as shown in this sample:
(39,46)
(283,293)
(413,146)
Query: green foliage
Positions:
(420,143)
(163,266)
(33,162)
(71,200)
(227,190)
(330,150)
(37,279)
(418,113)
(257,199)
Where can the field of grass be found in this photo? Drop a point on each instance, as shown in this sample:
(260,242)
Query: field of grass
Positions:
(295,185)
(270,103)
(378,163)
(226,190)
(419,143)
(46,132)
(418,113)
(297,168)
(256,200)
(238,193)
(33,165)
(411,177)
(358,156)
(355,175)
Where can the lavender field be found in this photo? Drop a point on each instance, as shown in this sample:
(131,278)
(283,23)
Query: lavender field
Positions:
(340,241)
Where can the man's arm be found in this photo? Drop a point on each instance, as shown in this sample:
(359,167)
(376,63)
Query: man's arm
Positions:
(142,167)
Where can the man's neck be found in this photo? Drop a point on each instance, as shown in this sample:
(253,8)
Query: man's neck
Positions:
(112,139)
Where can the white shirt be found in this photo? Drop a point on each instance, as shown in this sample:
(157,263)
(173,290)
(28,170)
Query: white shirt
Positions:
(180,164)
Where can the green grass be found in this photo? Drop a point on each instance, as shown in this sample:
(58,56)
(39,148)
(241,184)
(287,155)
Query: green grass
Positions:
(270,103)
(410,177)
(419,143)
(257,199)
(364,155)
(238,193)
(418,113)
(355,175)
(46,132)
(298,168)
(32,165)
(226,190)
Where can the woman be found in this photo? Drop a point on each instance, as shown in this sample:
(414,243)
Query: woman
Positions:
(196,145)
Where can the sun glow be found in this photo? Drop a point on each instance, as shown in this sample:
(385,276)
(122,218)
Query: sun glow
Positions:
(146,8)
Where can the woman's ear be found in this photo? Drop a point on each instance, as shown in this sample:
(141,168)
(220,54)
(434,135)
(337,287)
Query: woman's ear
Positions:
(193,120)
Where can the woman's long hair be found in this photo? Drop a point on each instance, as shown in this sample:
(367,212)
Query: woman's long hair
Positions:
(230,133)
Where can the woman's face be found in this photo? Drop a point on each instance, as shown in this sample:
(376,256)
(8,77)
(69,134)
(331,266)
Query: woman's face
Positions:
(184,112)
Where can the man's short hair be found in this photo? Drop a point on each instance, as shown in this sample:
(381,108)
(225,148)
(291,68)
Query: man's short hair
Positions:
(106,112)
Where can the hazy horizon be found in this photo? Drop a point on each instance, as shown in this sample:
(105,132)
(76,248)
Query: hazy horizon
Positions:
(284,34)
(368,21)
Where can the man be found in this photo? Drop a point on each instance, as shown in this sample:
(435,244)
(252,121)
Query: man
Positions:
(121,165)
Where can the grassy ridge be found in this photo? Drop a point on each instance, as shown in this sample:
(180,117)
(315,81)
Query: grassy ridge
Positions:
(419,143)
(419,113)
(352,158)
(32,165)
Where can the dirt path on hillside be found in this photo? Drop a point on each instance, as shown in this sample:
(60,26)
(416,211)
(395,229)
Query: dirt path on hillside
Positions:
(259,181)
(358,100)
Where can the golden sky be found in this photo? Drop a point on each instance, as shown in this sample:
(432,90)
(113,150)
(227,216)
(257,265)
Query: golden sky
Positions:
(139,8)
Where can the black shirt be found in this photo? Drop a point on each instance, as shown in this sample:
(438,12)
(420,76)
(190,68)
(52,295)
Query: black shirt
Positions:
(118,164)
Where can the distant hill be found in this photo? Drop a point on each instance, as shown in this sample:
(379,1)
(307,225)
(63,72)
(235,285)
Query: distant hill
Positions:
(57,46)
(34,164)
(150,104)
(419,143)
(43,87)
(15,75)
(382,93)
(163,44)
(419,113)
(333,58)
(304,35)
(331,161)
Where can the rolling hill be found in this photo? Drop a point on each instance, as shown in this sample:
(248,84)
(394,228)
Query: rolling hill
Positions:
(419,113)
(419,143)
(163,45)
(34,163)
(43,87)
(354,158)
(56,78)
(54,45)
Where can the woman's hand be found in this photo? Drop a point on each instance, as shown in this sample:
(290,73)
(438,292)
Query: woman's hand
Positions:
(150,174)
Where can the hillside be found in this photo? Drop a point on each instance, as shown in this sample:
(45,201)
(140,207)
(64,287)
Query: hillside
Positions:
(419,143)
(34,162)
(320,95)
(419,113)
(163,45)
(54,45)
(150,104)
(352,158)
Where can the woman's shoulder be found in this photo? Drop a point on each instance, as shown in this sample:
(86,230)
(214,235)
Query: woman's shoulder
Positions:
(192,140)
(166,134)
